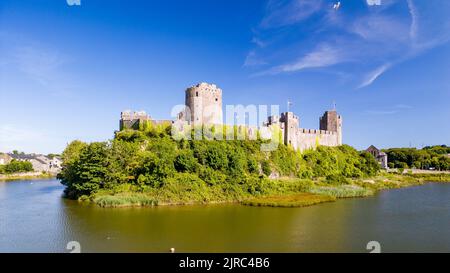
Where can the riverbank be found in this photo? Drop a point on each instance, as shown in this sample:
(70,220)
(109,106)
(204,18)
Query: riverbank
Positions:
(285,192)
(25,176)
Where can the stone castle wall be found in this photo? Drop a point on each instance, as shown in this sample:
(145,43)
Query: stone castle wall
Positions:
(310,139)
(204,107)
(302,139)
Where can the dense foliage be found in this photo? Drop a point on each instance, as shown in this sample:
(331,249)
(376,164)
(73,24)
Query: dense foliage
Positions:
(150,160)
(432,157)
(16,166)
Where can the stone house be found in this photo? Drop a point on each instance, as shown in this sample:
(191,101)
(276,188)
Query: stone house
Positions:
(380,156)
(41,163)
(4,159)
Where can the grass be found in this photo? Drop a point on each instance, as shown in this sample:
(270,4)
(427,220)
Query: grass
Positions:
(343,191)
(293,200)
(125,200)
(16,177)
(437,177)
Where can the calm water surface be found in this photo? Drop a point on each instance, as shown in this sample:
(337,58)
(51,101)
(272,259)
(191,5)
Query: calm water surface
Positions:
(34,218)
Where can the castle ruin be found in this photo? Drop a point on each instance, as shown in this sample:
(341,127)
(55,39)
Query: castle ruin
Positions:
(132,120)
(203,106)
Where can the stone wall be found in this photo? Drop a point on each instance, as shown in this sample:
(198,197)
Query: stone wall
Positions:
(304,139)
(310,139)
(132,120)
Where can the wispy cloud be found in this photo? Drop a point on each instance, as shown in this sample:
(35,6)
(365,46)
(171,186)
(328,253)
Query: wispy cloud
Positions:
(323,56)
(39,64)
(258,42)
(252,60)
(374,39)
(389,110)
(44,66)
(403,106)
(414,20)
(282,13)
(381,112)
(373,75)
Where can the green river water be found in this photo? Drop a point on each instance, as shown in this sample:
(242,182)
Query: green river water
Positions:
(35,218)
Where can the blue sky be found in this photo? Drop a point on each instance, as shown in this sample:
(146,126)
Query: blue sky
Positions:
(66,72)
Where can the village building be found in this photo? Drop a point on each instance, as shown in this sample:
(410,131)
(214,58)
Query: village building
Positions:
(380,156)
(4,159)
(40,163)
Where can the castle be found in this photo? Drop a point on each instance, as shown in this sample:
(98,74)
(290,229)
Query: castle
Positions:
(203,106)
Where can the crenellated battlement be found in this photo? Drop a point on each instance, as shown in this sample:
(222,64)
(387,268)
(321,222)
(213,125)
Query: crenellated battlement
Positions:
(203,104)
(132,120)
(316,131)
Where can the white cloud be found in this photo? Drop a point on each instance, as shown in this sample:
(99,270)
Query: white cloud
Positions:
(41,65)
(373,75)
(381,112)
(282,13)
(379,28)
(258,42)
(252,60)
(322,57)
(390,110)
(414,20)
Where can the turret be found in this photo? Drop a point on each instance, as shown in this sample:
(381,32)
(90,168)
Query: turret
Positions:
(332,121)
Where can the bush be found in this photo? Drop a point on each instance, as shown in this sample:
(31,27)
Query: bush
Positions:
(336,179)
(265,166)
(16,166)
(185,161)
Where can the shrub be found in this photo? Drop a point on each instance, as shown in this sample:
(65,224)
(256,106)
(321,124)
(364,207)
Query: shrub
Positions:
(16,166)
(265,166)
(336,179)
(185,161)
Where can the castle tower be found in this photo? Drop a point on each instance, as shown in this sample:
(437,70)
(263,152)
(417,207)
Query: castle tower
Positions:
(204,103)
(291,126)
(332,121)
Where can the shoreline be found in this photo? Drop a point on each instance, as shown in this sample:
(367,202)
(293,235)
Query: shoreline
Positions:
(320,192)
(26,176)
